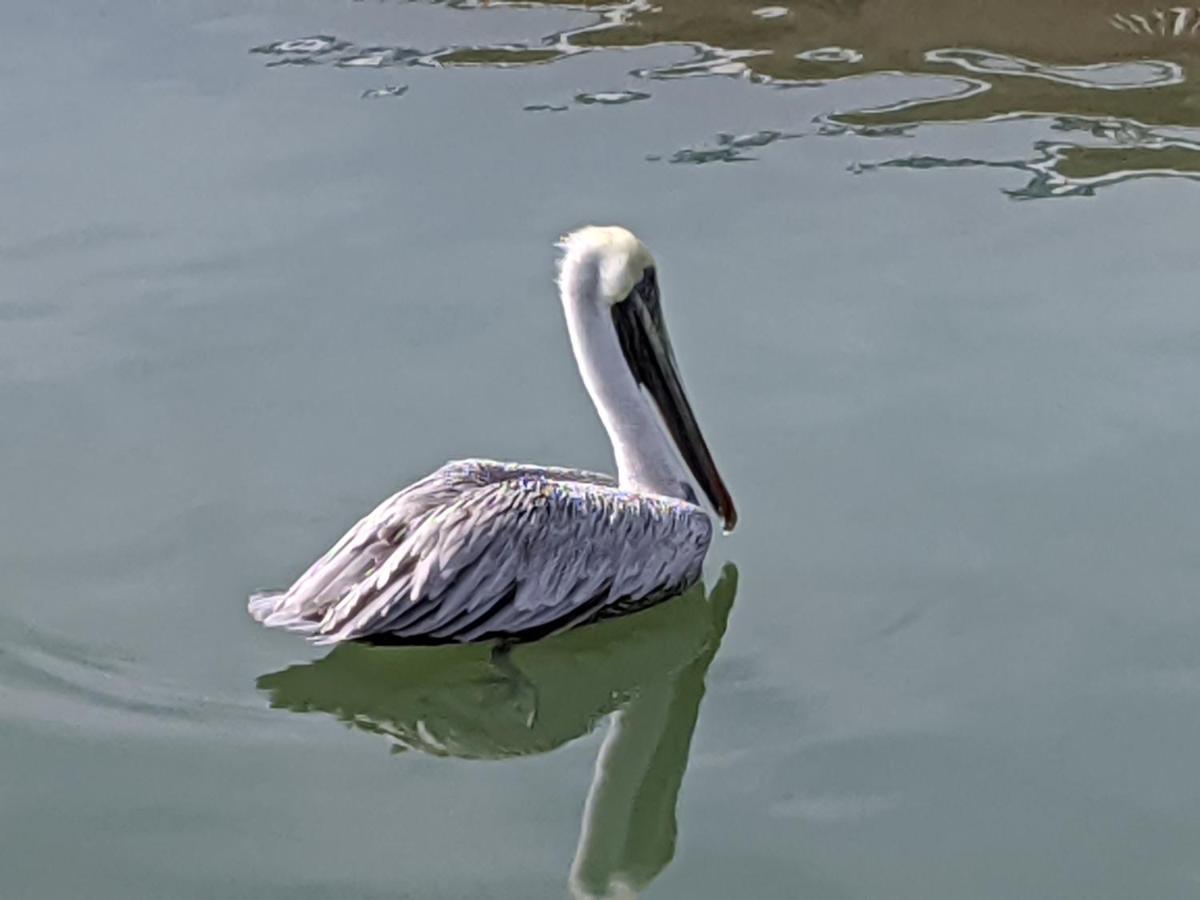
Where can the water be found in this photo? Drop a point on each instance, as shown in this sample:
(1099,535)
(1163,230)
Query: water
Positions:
(929,272)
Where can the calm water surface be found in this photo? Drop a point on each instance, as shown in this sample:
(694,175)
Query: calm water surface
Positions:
(930,270)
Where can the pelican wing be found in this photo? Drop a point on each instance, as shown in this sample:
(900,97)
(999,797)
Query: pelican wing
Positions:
(481,549)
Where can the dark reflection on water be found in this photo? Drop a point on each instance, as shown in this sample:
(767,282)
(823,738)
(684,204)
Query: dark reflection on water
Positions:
(646,671)
(1121,68)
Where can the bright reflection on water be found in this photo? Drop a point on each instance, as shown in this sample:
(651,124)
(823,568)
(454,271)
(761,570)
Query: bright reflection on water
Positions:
(266,261)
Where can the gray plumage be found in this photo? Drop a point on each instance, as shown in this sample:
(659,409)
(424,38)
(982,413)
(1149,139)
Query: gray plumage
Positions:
(482,549)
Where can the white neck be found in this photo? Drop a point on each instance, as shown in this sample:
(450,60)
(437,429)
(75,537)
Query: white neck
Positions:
(646,459)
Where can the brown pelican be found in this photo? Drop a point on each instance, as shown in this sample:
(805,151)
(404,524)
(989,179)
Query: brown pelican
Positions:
(482,549)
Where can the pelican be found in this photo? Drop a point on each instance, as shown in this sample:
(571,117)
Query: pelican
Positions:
(482,550)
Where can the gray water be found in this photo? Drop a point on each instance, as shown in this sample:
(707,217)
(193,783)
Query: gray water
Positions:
(929,270)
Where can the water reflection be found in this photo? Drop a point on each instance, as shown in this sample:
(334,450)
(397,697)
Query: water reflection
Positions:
(1103,61)
(728,148)
(646,671)
(1067,169)
(610,98)
(388,90)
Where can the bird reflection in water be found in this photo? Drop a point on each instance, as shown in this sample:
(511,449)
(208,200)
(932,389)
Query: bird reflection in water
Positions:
(645,671)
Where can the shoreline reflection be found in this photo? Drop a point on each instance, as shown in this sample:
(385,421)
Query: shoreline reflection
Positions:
(1104,62)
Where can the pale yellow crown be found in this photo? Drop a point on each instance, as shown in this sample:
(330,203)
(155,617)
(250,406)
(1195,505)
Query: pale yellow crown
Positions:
(619,257)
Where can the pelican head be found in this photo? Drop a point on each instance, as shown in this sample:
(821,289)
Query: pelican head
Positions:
(609,288)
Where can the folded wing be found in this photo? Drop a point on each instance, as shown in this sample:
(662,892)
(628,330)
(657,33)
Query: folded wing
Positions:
(481,549)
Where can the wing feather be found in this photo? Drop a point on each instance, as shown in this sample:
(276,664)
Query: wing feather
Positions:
(481,549)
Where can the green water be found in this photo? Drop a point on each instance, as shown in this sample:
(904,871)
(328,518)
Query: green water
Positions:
(930,274)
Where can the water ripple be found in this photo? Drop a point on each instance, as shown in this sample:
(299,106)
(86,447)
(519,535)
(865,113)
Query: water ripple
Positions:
(1105,76)
(324,49)
(729,148)
(1178,21)
(610,98)
(390,90)
(55,683)
(831,55)
(803,47)
(706,62)
(306,46)
(1127,151)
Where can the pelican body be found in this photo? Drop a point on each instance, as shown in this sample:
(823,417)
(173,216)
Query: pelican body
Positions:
(482,550)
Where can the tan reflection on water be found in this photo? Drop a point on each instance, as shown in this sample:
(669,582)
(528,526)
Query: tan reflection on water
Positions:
(1107,72)
(913,36)
(1122,71)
